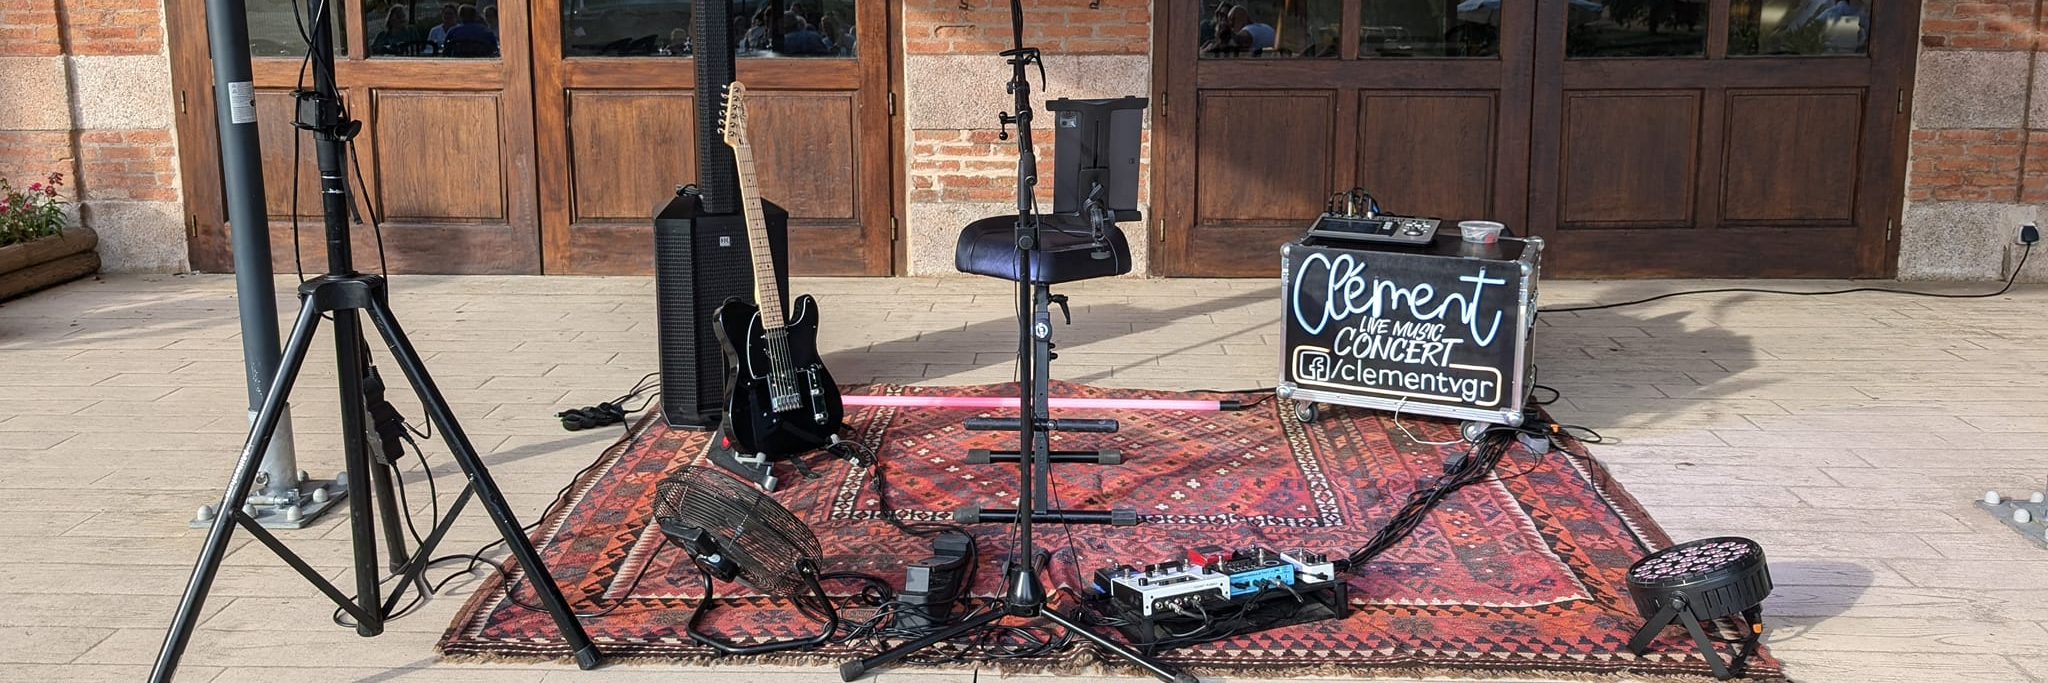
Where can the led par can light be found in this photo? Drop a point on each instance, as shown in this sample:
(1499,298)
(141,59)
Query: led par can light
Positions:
(1703,582)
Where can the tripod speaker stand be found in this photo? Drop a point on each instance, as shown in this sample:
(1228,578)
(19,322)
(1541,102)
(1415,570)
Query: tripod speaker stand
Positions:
(1024,593)
(346,294)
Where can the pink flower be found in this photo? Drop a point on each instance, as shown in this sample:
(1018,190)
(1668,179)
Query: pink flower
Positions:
(51,190)
(35,187)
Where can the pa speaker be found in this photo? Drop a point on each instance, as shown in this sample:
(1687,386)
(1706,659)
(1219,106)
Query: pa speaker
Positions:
(700,261)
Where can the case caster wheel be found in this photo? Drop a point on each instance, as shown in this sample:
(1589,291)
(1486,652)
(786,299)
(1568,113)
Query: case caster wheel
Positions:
(1306,411)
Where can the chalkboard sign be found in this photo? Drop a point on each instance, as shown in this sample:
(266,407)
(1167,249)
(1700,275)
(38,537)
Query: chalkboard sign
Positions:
(1440,330)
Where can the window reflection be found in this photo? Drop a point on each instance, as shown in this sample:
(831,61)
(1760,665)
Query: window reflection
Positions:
(805,28)
(1270,28)
(411,28)
(1798,27)
(274,28)
(1636,28)
(622,28)
(664,28)
(1429,28)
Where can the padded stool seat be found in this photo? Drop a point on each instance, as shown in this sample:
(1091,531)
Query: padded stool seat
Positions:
(1067,250)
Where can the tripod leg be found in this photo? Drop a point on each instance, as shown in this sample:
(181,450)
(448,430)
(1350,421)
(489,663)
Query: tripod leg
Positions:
(1150,665)
(487,491)
(355,450)
(210,554)
(860,667)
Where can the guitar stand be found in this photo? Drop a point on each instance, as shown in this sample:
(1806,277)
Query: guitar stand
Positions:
(1024,594)
(1037,390)
(759,468)
(754,467)
(346,295)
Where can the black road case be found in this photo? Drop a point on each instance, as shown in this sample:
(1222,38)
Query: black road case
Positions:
(1439,330)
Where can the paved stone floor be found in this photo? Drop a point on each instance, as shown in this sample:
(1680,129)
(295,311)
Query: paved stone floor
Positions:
(1848,434)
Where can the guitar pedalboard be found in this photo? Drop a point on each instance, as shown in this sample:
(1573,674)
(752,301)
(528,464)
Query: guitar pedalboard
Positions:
(1212,593)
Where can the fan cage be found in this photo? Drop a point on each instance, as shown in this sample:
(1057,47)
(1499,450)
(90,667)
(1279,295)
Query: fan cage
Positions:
(761,537)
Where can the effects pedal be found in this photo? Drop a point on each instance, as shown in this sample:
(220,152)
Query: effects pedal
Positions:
(1162,587)
(1211,593)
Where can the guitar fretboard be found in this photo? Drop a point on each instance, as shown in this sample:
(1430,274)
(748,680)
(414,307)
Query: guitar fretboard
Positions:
(766,292)
(782,386)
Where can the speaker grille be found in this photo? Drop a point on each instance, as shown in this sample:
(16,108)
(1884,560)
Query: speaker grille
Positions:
(714,47)
(700,261)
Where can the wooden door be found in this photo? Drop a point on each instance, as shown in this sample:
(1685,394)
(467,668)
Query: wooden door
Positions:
(1720,138)
(446,150)
(615,96)
(1425,106)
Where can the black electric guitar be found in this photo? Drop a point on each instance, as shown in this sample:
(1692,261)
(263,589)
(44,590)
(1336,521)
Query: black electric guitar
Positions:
(782,401)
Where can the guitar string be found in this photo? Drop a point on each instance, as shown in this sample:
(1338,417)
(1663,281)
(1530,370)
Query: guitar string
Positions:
(781,376)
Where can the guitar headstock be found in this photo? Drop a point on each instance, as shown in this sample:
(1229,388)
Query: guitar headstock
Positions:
(734,125)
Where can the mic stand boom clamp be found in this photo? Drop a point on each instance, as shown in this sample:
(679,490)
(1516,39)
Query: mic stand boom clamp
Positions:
(1024,593)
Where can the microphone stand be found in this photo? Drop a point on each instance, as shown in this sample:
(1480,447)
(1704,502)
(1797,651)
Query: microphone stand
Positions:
(349,296)
(1024,593)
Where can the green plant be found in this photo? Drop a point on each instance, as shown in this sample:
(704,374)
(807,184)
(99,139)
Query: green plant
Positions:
(33,213)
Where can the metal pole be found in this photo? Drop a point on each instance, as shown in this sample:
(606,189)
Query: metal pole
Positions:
(283,498)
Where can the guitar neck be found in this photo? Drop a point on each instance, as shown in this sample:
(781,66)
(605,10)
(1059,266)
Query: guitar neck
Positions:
(766,292)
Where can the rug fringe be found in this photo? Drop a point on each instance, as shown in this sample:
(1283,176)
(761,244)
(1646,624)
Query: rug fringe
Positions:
(1081,663)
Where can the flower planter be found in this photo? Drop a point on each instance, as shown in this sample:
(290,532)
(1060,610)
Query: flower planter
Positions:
(30,266)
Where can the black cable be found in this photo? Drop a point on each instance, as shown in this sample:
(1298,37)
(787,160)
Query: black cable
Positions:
(1073,549)
(614,411)
(298,256)
(1751,290)
(477,556)
(404,506)
(879,473)
(1259,390)
(433,491)
(1474,466)
(376,227)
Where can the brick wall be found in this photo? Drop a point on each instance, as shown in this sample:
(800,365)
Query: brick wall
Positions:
(1979,148)
(85,91)
(958,170)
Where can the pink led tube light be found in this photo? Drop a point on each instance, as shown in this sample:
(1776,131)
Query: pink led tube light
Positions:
(1072,403)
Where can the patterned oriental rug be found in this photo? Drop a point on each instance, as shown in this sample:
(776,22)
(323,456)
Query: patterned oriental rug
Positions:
(1517,576)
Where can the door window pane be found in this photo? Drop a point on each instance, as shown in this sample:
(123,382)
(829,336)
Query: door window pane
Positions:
(431,28)
(1636,28)
(1429,28)
(1798,27)
(665,28)
(274,28)
(805,28)
(1270,28)
(626,28)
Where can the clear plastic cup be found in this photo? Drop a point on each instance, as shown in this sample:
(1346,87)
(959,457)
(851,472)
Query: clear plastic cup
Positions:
(1480,232)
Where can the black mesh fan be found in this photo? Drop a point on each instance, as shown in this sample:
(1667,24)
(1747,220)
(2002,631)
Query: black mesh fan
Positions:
(734,532)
